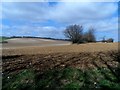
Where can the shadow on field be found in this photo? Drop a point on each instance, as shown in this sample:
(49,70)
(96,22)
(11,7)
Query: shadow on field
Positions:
(10,57)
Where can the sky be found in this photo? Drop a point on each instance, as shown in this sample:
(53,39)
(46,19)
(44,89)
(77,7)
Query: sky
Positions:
(49,19)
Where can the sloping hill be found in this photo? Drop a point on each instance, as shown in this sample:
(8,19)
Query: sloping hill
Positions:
(22,42)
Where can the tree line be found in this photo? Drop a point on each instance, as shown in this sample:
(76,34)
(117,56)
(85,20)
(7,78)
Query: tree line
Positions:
(76,35)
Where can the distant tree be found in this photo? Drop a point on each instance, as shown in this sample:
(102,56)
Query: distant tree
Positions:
(103,39)
(74,33)
(107,40)
(89,36)
(110,40)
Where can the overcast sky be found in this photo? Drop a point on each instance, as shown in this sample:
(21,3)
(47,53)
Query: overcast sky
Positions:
(49,19)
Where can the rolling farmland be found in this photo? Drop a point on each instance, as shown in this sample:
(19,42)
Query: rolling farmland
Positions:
(60,64)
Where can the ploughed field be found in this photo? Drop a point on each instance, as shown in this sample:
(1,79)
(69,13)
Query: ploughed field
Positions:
(93,65)
(68,48)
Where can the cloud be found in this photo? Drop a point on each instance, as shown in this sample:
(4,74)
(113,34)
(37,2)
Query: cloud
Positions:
(23,11)
(23,30)
(80,12)
(102,16)
(105,25)
(64,12)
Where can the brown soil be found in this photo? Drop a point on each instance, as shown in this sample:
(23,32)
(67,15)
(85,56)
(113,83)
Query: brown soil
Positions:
(84,56)
(43,62)
(90,47)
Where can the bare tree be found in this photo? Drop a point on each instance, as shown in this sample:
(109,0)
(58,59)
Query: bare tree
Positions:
(89,36)
(110,40)
(103,39)
(74,33)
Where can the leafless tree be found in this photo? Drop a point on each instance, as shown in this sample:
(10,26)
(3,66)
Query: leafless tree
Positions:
(89,36)
(74,33)
(103,39)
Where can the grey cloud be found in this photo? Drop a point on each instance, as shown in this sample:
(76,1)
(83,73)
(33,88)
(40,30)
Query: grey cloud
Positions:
(64,12)
(25,11)
(98,15)
(76,12)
